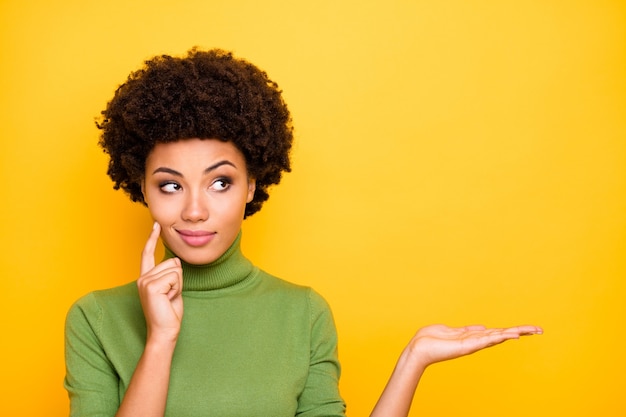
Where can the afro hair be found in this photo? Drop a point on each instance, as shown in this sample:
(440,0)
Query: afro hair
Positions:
(206,95)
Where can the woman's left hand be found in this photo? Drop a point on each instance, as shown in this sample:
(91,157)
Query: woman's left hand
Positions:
(437,342)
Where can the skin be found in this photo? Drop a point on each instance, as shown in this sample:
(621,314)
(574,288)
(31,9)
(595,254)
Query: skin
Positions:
(202,186)
(192,185)
(160,292)
(432,344)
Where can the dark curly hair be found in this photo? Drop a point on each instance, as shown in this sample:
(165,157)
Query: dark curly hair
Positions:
(206,95)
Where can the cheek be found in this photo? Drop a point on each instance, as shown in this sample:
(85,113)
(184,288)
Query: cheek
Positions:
(228,213)
(161,212)
(225,213)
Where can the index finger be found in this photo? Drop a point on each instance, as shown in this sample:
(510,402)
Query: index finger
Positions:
(147,256)
(525,330)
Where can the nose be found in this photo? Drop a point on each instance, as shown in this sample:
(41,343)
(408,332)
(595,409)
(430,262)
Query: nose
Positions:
(196,208)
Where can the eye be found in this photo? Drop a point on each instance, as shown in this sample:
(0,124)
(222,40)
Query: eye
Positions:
(170,187)
(220,184)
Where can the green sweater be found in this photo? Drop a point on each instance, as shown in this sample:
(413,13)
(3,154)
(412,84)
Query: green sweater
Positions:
(250,345)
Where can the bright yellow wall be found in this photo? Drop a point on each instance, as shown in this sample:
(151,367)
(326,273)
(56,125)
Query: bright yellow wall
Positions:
(456,161)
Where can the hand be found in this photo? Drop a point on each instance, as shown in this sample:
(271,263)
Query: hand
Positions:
(433,344)
(438,342)
(160,291)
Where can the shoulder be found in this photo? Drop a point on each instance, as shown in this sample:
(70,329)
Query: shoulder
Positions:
(106,296)
(92,306)
(306,295)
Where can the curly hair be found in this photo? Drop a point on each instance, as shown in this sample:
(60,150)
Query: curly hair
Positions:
(206,95)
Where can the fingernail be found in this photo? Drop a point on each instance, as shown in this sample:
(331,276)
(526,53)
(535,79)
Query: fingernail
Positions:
(155,225)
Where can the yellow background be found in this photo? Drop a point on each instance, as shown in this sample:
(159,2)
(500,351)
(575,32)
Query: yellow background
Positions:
(456,161)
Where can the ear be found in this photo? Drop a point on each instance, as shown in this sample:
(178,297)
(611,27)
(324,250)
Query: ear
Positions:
(251,189)
(142,184)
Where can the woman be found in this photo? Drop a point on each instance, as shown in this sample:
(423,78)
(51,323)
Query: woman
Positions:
(199,140)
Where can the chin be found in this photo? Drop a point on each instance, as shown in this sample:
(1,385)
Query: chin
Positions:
(191,255)
(198,258)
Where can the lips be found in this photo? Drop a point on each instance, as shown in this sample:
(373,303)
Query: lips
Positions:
(196,237)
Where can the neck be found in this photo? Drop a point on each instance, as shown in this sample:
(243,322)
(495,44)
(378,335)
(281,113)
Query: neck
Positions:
(227,270)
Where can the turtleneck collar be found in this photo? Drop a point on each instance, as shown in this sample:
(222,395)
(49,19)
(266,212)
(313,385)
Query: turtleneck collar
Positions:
(227,270)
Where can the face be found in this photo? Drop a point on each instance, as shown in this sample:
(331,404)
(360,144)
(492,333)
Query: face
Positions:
(197,191)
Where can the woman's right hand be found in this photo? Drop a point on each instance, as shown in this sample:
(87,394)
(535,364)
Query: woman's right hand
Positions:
(160,291)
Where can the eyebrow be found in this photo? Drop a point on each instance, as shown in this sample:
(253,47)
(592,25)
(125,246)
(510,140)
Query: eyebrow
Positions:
(206,171)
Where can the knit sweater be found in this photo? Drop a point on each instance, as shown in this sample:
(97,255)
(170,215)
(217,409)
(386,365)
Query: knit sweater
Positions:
(250,344)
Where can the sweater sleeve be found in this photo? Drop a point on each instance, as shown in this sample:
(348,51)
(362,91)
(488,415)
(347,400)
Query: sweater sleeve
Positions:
(320,396)
(90,379)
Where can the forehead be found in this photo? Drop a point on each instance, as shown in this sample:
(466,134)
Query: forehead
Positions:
(195,153)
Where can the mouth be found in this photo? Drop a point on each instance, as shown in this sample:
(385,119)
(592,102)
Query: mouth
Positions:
(196,237)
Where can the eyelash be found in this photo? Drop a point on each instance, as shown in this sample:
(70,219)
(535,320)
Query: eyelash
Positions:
(166,183)
(225,180)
